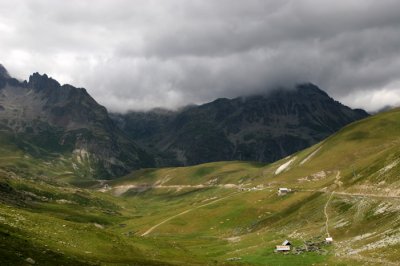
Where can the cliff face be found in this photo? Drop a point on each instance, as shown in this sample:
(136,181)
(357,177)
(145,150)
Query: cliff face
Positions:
(261,128)
(47,118)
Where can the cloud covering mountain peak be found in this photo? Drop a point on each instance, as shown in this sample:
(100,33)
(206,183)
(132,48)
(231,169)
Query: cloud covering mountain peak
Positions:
(144,54)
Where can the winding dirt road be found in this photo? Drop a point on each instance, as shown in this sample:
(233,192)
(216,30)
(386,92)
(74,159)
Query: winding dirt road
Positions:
(326,215)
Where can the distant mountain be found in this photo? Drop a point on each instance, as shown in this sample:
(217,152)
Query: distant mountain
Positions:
(261,128)
(385,109)
(46,118)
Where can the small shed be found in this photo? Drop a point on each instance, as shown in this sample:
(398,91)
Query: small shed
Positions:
(283,191)
(284,247)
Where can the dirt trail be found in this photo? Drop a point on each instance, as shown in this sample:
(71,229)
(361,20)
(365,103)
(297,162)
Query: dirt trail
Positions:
(119,190)
(184,212)
(326,215)
(367,195)
(349,194)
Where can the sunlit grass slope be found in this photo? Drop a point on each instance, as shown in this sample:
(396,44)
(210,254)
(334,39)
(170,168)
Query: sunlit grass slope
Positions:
(360,164)
(223,213)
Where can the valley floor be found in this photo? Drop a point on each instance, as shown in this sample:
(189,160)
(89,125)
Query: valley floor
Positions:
(198,226)
(223,213)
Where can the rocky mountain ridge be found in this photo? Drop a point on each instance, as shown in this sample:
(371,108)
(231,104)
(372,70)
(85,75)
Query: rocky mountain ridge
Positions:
(261,128)
(46,118)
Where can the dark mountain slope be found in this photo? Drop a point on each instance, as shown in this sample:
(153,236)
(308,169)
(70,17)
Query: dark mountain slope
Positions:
(46,119)
(258,128)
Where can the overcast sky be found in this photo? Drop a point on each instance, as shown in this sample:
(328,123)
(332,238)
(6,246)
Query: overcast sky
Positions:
(133,54)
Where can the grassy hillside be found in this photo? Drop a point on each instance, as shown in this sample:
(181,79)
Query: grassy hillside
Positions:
(225,213)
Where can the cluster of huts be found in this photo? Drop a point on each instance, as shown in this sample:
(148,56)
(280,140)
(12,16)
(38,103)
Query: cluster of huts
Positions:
(286,246)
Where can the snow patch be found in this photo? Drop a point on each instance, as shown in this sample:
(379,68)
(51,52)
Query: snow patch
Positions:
(310,156)
(284,166)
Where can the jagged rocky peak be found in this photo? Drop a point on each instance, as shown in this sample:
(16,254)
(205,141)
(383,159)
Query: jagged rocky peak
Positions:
(4,72)
(309,88)
(66,120)
(303,90)
(42,82)
(5,78)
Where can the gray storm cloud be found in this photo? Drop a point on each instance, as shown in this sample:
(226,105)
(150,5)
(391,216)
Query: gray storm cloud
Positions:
(140,54)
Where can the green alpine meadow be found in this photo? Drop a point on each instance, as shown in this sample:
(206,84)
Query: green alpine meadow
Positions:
(222,213)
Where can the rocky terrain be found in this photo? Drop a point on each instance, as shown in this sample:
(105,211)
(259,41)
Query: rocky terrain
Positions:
(45,118)
(48,119)
(261,128)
